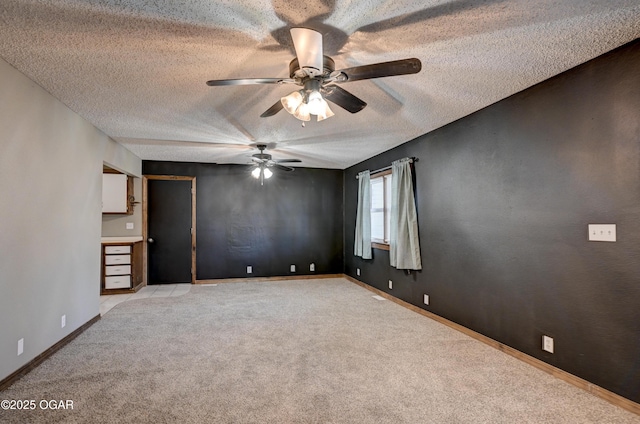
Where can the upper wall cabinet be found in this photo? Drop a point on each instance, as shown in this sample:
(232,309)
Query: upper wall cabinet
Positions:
(117,190)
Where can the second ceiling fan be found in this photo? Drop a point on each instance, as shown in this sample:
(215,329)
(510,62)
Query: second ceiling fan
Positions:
(316,74)
(263,161)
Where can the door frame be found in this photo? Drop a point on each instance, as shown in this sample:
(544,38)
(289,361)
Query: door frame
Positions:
(145,222)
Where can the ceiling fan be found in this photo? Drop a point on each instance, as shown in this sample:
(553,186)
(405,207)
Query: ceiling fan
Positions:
(263,161)
(316,74)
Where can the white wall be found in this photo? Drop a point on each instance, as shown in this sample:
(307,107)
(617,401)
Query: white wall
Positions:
(50,217)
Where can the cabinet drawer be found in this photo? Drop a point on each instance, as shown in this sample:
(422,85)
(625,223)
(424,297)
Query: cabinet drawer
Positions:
(110,250)
(117,259)
(119,282)
(117,270)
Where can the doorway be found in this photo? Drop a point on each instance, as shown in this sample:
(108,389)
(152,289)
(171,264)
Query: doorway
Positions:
(169,214)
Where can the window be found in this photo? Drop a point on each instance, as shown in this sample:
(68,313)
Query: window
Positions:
(380,209)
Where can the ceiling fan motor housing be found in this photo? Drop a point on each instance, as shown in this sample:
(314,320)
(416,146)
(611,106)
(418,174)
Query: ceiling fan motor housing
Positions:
(262,155)
(328,67)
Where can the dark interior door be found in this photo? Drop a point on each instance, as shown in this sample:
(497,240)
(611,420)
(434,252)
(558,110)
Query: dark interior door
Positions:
(169,231)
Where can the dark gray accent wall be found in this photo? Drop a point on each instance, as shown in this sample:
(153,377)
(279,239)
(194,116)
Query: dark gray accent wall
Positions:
(295,218)
(504,197)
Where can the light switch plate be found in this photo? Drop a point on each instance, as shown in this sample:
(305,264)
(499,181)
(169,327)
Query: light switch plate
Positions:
(602,232)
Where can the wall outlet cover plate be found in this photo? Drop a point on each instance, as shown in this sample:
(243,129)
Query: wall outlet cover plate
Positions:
(602,232)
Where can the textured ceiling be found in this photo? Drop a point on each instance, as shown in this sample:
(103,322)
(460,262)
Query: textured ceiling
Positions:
(137,69)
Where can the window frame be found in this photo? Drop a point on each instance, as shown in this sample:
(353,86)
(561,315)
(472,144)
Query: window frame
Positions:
(380,243)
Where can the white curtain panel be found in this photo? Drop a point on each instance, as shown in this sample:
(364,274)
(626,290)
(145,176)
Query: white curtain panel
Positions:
(362,245)
(404,245)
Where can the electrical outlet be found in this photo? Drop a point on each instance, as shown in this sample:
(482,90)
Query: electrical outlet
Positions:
(129,225)
(390,284)
(293,268)
(426,299)
(358,272)
(63,321)
(312,267)
(20,346)
(249,269)
(547,344)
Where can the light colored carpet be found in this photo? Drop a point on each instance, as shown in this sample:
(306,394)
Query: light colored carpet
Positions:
(303,351)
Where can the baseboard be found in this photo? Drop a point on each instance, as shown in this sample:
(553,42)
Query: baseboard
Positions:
(5,383)
(598,391)
(109,292)
(266,279)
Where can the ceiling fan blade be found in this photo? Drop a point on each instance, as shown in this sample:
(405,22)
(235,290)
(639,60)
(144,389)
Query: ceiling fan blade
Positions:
(277,107)
(283,168)
(249,81)
(379,70)
(308,45)
(258,161)
(288,161)
(343,98)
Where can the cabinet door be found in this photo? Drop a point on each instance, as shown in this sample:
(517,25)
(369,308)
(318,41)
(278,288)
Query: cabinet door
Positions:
(114,193)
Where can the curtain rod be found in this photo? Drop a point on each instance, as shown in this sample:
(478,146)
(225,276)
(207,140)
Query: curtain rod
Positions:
(411,160)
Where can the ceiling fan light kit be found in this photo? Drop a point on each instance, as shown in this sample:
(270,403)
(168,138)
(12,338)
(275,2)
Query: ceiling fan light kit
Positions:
(326,112)
(292,101)
(302,112)
(316,74)
(263,161)
(306,102)
(261,170)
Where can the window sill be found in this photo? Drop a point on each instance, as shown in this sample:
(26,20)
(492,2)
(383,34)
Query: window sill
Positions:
(380,246)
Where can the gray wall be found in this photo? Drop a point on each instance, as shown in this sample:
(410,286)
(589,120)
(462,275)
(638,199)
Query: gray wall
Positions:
(504,197)
(50,196)
(115,225)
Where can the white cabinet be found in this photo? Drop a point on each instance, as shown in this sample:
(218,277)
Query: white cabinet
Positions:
(121,267)
(117,267)
(115,194)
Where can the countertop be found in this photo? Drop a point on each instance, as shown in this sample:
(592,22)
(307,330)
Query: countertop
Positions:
(123,239)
